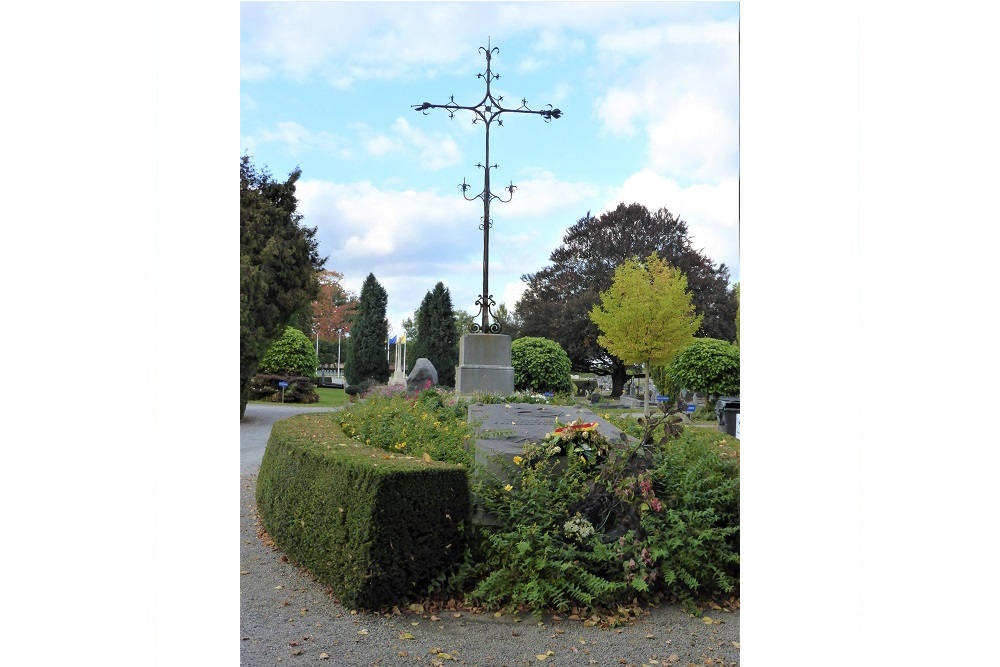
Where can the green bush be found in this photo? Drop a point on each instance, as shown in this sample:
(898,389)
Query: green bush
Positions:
(376,527)
(695,540)
(709,366)
(705,413)
(416,425)
(539,554)
(639,522)
(540,365)
(264,387)
(292,354)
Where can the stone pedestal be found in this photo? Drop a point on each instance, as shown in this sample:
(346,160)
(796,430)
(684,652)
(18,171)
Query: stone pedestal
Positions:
(484,365)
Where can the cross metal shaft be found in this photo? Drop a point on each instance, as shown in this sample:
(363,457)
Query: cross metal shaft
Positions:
(486,111)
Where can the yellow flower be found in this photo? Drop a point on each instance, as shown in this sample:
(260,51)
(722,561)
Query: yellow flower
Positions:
(518,460)
(508,487)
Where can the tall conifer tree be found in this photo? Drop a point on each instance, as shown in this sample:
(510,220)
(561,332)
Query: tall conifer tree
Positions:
(278,265)
(436,340)
(366,358)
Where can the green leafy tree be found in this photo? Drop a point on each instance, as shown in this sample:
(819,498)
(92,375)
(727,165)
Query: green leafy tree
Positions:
(463,323)
(646,316)
(709,366)
(278,265)
(508,321)
(540,365)
(436,340)
(559,297)
(366,358)
(292,354)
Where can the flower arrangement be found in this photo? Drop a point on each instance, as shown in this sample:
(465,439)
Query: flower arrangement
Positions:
(578,439)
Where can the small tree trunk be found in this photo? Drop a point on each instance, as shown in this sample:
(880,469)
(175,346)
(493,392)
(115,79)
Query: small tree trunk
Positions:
(618,377)
(645,397)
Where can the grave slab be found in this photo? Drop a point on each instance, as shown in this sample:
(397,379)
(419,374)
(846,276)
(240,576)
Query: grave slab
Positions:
(506,428)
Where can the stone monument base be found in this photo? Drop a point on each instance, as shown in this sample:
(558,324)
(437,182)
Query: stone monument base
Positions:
(484,365)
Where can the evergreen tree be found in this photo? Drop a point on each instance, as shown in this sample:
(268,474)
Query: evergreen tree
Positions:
(436,340)
(366,358)
(278,265)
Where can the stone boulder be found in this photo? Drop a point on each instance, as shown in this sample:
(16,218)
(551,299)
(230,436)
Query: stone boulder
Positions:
(423,370)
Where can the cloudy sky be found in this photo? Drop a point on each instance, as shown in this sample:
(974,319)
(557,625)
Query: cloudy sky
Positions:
(649,92)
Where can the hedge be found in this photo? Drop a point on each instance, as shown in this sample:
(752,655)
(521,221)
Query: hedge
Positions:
(376,527)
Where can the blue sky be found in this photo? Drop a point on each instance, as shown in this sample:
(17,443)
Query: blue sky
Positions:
(649,92)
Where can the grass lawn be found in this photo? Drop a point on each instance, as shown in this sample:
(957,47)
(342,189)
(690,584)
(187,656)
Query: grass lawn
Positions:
(330,397)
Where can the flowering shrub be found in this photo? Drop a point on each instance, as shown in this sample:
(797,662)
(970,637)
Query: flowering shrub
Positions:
(619,521)
(429,423)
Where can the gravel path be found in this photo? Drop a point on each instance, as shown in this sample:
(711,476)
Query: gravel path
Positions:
(288,618)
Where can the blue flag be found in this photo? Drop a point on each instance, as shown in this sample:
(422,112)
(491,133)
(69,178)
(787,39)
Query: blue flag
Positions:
(392,341)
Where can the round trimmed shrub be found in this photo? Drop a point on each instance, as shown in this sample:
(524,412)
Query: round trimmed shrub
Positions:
(540,365)
(708,366)
(292,354)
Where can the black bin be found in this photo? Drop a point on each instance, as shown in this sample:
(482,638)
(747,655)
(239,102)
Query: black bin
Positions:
(726,409)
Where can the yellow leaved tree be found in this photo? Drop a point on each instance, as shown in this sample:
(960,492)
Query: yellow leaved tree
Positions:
(646,316)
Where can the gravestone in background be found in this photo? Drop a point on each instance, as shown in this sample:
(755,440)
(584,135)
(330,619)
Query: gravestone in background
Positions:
(484,365)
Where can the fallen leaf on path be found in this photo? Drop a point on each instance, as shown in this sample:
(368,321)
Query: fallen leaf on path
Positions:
(406,635)
(324,656)
(362,632)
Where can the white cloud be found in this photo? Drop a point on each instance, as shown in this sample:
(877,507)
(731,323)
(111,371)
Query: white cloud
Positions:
(710,211)
(696,140)
(296,139)
(618,109)
(714,33)
(380,145)
(639,41)
(436,150)
(512,292)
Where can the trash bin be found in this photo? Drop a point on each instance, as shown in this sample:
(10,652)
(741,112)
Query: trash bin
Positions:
(726,409)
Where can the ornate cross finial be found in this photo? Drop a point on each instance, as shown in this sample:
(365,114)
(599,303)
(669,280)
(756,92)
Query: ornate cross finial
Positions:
(486,111)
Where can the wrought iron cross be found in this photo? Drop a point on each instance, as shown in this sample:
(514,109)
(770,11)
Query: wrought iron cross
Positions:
(487,110)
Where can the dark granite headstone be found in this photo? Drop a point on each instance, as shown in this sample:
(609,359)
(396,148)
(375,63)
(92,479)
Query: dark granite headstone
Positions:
(506,428)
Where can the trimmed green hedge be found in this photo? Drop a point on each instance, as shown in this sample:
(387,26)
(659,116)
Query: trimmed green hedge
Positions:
(376,527)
